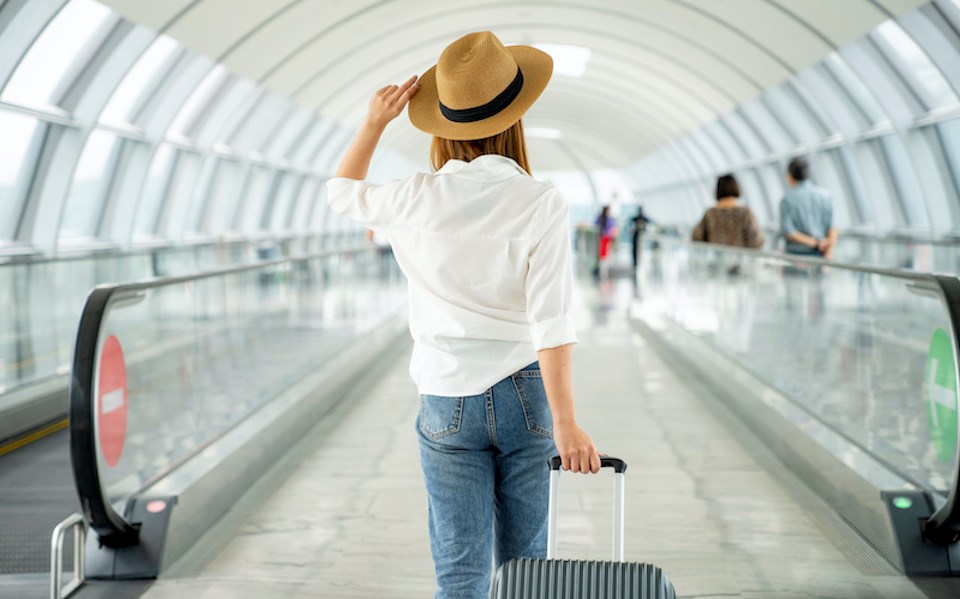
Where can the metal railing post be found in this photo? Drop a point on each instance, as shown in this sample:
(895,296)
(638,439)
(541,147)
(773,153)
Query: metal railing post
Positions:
(75,522)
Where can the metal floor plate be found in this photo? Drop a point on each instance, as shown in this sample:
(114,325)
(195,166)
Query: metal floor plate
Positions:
(36,493)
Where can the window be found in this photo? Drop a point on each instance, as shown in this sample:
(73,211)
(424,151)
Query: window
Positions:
(261,122)
(793,114)
(309,148)
(777,137)
(305,204)
(843,115)
(914,65)
(773,180)
(173,221)
(949,135)
(906,185)
(826,174)
(729,146)
(878,185)
(18,131)
(859,93)
(280,214)
(708,146)
(694,155)
(200,196)
(933,174)
(256,198)
(48,60)
(232,106)
(753,145)
(81,213)
(290,134)
(854,185)
(137,80)
(152,194)
(183,123)
(223,196)
(752,195)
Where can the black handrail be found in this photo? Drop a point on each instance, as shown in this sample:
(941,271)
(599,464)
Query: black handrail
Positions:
(113,529)
(113,252)
(944,525)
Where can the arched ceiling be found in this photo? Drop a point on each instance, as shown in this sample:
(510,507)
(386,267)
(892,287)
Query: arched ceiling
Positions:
(657,68)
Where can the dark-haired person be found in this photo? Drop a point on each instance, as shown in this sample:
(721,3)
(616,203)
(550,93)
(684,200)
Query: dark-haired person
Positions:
(729,223)
(640,222)
(806,214)
(486,251)
(606,234)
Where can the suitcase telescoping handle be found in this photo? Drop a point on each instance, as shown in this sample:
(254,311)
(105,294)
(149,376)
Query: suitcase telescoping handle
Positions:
(619,468)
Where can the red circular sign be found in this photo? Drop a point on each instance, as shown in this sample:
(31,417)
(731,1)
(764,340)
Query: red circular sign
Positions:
(112,404)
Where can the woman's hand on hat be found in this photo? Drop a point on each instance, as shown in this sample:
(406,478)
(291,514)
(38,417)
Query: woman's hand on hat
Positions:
(389,102)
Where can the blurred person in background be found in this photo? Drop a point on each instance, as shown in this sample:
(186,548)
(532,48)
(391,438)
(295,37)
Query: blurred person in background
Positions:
(729,222)
(606,233)
(640,222)
(806,214)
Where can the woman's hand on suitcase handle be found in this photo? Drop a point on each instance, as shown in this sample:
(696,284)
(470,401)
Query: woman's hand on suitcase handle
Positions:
(577,451)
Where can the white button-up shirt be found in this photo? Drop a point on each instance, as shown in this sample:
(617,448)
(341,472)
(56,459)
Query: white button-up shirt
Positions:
(486,251)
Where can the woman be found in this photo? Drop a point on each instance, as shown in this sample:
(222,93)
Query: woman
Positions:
(486,252)
(606,233)
(728,222)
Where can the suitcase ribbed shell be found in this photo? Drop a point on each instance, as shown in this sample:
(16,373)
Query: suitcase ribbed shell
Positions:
(576,579)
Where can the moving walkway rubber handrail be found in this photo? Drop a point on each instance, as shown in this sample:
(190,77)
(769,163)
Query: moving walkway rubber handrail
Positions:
(28,258)
(113,529)
(944,525)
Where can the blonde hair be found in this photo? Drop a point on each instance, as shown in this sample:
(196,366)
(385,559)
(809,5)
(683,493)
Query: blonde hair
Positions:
(510,143)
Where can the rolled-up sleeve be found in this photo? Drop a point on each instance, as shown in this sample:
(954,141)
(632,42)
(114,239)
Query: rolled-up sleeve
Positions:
(367,203)
(549,286)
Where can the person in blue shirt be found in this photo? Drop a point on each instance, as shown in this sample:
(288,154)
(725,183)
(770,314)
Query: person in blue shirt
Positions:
(806,214)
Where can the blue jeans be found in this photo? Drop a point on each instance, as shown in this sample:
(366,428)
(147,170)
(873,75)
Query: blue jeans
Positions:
(484,458)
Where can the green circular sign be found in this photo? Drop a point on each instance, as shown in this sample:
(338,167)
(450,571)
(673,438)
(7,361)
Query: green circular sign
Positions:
(940,389)
(902,503)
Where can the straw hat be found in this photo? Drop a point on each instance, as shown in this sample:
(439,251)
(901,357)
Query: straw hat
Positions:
(479,88)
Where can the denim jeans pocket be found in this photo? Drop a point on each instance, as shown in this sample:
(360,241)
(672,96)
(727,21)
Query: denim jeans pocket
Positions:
(533,401)
(439,416)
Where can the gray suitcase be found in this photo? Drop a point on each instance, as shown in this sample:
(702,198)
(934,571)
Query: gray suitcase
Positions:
(550,578)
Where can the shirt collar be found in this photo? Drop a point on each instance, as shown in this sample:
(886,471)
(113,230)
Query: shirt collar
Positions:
(491,167)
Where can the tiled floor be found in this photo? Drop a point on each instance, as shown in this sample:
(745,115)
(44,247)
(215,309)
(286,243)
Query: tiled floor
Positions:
(351,521)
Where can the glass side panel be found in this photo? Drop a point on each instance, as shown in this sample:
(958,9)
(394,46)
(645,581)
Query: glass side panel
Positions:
(137,80)
(81,213)
(18,132)
(48,60)
(202,356)
(867,354)
(40,303)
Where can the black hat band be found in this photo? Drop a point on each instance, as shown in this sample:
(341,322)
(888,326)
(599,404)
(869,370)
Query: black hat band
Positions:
(491,108)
